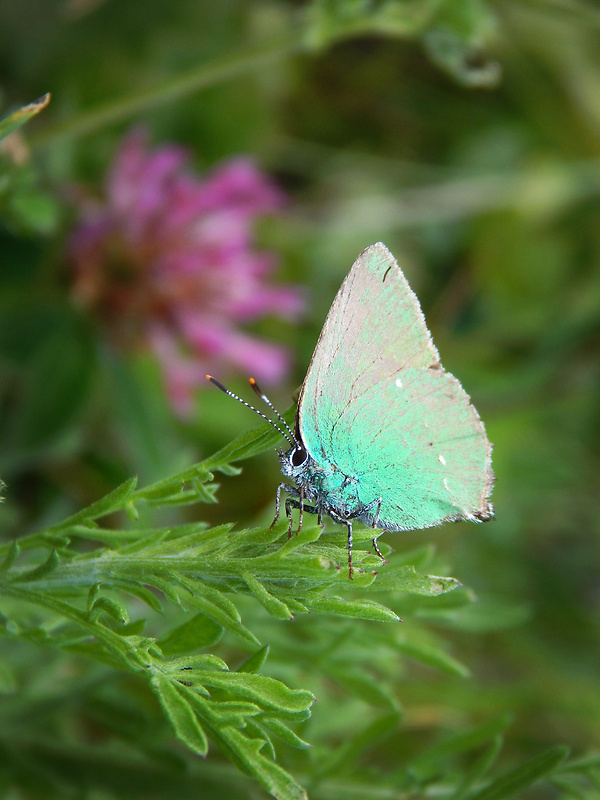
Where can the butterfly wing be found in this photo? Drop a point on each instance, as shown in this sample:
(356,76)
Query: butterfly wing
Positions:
(378,406)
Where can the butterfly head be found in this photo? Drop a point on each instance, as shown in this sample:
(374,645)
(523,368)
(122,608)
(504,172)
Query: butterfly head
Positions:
(294,462)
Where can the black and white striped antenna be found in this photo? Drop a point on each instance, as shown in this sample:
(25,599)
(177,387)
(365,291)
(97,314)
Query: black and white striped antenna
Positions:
(289,436)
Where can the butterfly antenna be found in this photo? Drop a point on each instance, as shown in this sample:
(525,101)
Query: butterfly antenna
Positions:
(266,400)
(220,386)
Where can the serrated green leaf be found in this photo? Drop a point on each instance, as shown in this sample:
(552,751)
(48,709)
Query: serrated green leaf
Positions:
(200,493)
(195,634)
(186,497)
(269,693)
(359,609)
(295,606)
(108,606)
(40,572)
(524,775)
(205,492)
(197,663)
(223,618)
(308,534)
(93,593)
(216,598)
(180,714)
(131,511)
(256,661)
(281,731)
(263,535)
(174,484)
(23,115)
(233,712)
(161,490)
(165,586)
(275,607)
(143,594)
(246,753)
(114,501)
(407,579)
(229,469)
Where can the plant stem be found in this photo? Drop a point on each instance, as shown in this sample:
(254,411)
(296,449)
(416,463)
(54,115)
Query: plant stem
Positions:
(201,77)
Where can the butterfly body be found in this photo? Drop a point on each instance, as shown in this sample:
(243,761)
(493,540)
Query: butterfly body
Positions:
(330,490)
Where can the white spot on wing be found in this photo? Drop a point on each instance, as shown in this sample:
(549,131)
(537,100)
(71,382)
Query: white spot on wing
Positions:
(399,383)
(442,460)
(447,487)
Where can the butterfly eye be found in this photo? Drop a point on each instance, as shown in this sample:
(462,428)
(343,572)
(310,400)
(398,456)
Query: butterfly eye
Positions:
(298,457)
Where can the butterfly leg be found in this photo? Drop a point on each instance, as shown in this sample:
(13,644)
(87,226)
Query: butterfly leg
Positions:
(348,524)
(297,502)
(378,551)
(301,507)
(288,503)
(368,507)
(280,488)
(375,523)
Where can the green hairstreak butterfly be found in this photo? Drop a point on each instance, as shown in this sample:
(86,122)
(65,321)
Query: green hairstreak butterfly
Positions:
(383,433)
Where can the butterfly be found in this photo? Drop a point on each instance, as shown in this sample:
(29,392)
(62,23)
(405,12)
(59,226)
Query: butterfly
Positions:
(383,434)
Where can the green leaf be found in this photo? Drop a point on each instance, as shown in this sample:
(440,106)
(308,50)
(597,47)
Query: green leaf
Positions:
(143,594)
(114,501)
(256,661)
(270,694)
(275,607)
(407,579)
(232,712)
(279,729)
(197,633)
(217,607)
(360,609)
(93,594)
(108,606)
(40,572)
(23,115)
(524,775)
(246,753)
(180,714)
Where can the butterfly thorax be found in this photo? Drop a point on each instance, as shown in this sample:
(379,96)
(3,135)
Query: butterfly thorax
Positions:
(323,484)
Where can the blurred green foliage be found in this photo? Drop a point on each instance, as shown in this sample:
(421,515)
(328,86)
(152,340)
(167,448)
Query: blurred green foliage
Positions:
(465,135)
